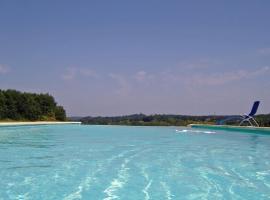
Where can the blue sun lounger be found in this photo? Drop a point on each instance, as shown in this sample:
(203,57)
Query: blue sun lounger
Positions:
(244,118)
(250,117)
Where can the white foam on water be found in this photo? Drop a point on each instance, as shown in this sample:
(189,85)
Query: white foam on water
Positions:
(148,185)
(25,196)
(28,180)
(231,190)
(210,187)
(240,181)
(182,131)
(169,195)
(84,185)
(262,175)
(75,195)
(145,190)
(118,182)
(91,178)
(121,179)
(56,177)
(194,131)
(22,196)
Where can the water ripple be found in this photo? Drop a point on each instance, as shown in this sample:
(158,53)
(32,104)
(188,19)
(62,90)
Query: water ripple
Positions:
(91,176)
(169,195)
(118,182)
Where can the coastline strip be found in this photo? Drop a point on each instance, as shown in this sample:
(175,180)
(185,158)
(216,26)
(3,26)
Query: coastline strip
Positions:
(35,123)
(232,128)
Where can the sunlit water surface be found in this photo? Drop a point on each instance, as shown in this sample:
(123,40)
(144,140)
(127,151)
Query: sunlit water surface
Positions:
(114,162)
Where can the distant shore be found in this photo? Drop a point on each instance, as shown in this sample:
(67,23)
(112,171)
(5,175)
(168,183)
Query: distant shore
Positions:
(166,120)
(35,123)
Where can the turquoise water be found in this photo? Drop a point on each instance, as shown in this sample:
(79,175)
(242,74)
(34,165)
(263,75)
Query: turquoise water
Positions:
(113,162)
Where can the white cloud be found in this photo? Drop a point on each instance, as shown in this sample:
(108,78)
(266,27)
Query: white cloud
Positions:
(207,78)
(124,86)
(198,64)
(69,74)
(227,77)
(264,51)
(142,75)
(87,72)
(72,72)
(4,69)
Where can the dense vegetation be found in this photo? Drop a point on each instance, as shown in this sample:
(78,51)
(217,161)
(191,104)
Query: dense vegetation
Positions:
(166,120)
(263,120)
(15,105)
(149,120)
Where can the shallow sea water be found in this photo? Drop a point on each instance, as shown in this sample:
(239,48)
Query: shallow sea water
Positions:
(119,162)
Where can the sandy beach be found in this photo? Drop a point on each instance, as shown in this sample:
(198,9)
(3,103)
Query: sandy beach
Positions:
(35,123)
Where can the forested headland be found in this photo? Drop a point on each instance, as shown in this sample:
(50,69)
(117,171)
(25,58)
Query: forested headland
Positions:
(24,106)
(166,120)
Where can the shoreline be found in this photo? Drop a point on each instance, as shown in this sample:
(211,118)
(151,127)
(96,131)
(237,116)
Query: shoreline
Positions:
(35,123)
(231,128)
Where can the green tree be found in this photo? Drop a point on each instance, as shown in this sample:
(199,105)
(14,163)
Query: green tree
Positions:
(60,113)
(2,105)
(11,104)
(28,107)
(47,104)
(16,105)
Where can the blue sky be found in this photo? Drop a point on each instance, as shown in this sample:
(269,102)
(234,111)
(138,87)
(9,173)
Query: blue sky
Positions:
(124,57)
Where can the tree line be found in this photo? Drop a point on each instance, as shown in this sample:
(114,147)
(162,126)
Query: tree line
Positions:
(166,120)
(16,105)
(149,120)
